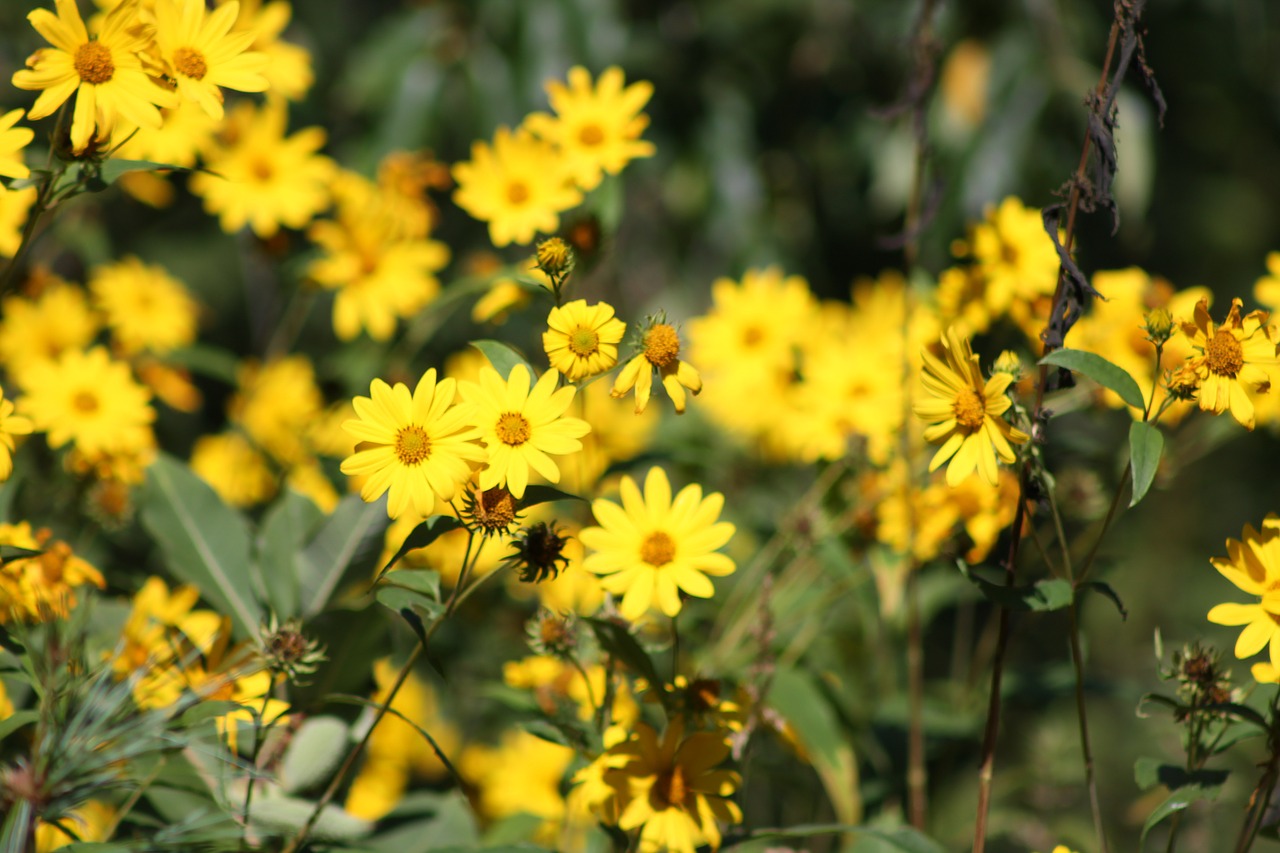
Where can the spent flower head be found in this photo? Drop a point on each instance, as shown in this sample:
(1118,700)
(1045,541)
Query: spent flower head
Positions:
(537,552)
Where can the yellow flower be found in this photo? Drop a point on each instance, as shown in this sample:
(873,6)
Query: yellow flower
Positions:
(522,775)
(1231,360)
(235,470)
(755,325)
(1267,289)
(277,403)
(652,548)
(263,179)
(521,427)
(964,81)
(288,66)
(660,352)
(964,413)
(10,425)
(502,297)
(307,478)
(14,207)
(187,132)
(519,186)
(41,588)
(145,640)
(202,54)
(418,446)
(598,130)
(34,330)
(12,141)
(92,821)
(145,307)
(678,797)
(89,399)
(1253,564)
(105,73)
(582,340)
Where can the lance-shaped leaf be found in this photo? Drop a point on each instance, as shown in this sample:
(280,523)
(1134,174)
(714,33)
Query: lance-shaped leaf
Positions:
(1146,443)
(502,356)
(1099,370)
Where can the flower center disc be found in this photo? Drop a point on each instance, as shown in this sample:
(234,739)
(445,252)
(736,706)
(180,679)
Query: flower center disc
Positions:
(970,410)
(662,345)
(1224,355)
(189,62)
(512,429)
(591,135)
(412,445)
(671,786)
(517,192)
(584,342)
(84,401)
(657,549)
(93,63)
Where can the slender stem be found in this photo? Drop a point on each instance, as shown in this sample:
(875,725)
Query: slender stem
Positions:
(291,321)
(1086,752)
(259,725)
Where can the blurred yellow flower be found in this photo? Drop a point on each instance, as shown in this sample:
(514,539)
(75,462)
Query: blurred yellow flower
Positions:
(201,53)
(519,186)
(12,141)
(144,640)
(1234,358)
(754,325)
(14,207)
(91,822)
(1253,565)
(41,588)
(661,352)
(597,131)
(144,306)
(233,468)
(1267,288)
(186,133)
(652,548)
(288,66)
(277,403)
(582,340)
(522,775)
(35,329)
(10,425)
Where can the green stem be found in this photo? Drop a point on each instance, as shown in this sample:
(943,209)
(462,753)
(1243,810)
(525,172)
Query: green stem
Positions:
(259,726)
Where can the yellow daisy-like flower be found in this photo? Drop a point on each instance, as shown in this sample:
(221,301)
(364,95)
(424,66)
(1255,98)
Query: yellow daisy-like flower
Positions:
(187,132)
(263,179)
(10,425)
(652,547)
(419,445)
(597,130)
(145,307)
(661,352)
(1253,564)
(15,205)
(519,186)
(233,468)
(288,68)
(756,325)
(1232,357)
(105,73)
(521,428)
(678,797)
(202,54)
(964,413)
(37,589)
(12,141)
(582,339)
(36,329)
(276,404)
(1267,288)
(89,399)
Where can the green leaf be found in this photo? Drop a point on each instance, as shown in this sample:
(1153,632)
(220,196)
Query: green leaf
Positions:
(618,642)
(1044,595)
(15,721)
(1146,443)
(285,528)
(352,532)
(205,360)
(113,169)
(314,753)
(1105,589)
(203,541)
(808,710)
(9,553)
(1099,370)
(416,608)
(534,495)
(502,356)
(423,535)
(1178,800)
(1150,772)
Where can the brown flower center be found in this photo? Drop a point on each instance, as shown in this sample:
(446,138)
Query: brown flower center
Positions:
(662,345)
(85,401)
(657,549)
(413,445)
(189,62)
(262,169)
(93,63)
(512,429)
(671,788)
(517,192)
(591,135)
(970,410)
(1224,355)
(495,509)
(752,336)
(584,342)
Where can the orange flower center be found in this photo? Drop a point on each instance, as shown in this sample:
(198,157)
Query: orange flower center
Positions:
(1224,355)
(189,62)
(495,509)
(671,788)
(970,410)
(657,549)
(85,401)
(517,192)
(584,342)
(662,345)
(752,336)
(591,135)
(262,169)
(413,445)
(512,429)
(93,63)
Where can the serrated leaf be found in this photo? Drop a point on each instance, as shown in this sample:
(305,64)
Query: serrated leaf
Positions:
(1041,596)
(1106,590)
(423,535)
(502,356)
(617,641)
(352,531)
(1099,370)
(203,541)
(534,495)
(1146,443)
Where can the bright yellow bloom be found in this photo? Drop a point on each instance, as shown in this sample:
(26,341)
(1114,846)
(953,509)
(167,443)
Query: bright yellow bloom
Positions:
(277,403)
(417,446)
(36,329)
(14,207)
(756,325)
(145,307)
(145,640)
(1253,564)
(187,133)
(1267,288)
(555,682)
(234,468)
(308,479)
(677,796)
(521,428)
(201,53)
(12,141)
(90,399)
(964,413)
(10,425)
(92,821)
(652,547)
(519,186)
(522,775)
(597,130)
(38,589)
(105,73)
(660,352)
(582,340)
(263,179)
(1234,358)
(288,68)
